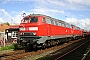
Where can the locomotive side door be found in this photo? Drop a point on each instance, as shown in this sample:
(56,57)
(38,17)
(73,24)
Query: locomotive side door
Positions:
(48,30)
(48,27)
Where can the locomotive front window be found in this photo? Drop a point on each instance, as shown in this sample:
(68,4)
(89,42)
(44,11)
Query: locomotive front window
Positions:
(33,19)
(25,20)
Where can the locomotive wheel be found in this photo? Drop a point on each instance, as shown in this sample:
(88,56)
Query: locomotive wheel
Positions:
(44,45)
(35,46)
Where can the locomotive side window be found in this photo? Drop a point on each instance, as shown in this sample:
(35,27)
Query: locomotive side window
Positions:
(59,24)
(52,22)
(43,20)
(33,19)
(77,28)
(56,23)
(63,25)
(70,26)
(67,25)
(48,21)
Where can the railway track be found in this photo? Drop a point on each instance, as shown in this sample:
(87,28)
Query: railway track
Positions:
(5,55)
(20,54)
(76,53)
(61,53)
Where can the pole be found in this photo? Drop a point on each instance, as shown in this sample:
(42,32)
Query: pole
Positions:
(4,38)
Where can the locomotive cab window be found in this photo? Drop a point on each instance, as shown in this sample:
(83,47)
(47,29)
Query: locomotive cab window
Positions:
(25,20)
(33,19)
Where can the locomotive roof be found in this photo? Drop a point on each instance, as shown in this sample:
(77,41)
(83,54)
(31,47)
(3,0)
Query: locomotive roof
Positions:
(36,14)
(47,17)
(51,18)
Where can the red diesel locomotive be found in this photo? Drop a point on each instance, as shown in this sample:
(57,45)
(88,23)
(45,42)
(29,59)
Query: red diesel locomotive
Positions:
(38,30)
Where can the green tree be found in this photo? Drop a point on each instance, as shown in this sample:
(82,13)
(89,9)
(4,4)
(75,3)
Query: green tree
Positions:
(7,23)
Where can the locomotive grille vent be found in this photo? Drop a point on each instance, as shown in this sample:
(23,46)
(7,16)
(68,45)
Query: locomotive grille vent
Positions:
(29,34)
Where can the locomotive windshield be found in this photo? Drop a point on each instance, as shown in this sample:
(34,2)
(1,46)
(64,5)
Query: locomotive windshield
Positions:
(33,19)
(26,18)
(30,20)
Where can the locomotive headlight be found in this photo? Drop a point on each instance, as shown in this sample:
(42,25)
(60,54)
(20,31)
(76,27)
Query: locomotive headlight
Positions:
(21,33)
(34,33)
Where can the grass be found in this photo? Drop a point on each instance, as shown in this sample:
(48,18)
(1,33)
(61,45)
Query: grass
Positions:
(8,47)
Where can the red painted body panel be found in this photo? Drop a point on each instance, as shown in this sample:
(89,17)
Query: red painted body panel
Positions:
(45,29)
(42,30)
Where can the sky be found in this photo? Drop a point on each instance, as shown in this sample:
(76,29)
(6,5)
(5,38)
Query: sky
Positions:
(76,12)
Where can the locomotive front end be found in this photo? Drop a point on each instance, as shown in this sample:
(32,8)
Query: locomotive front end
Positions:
(28,30)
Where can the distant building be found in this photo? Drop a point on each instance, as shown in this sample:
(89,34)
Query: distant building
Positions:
(12,32)
(3,27)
